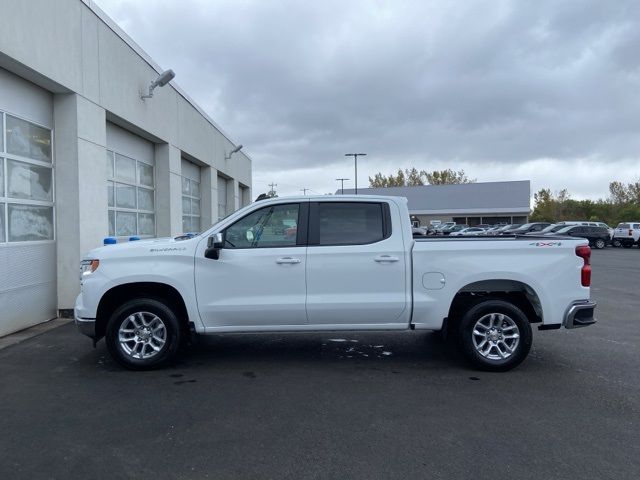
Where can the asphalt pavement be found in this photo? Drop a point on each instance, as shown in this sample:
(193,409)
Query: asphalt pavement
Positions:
(392,405)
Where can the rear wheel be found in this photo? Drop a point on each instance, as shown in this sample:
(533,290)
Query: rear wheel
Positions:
(143,334)
(495,335)
(600,243)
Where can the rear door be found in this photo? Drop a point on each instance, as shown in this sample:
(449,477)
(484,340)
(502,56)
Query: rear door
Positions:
(356,270)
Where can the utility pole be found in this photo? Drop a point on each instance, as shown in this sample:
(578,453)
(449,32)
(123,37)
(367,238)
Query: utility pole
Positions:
(355,158)
(272,192)
(304,190)
(341,180)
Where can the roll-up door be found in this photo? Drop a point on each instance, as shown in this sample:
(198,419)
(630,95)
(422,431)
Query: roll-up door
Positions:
(27,202)
(190,197)
(130,184)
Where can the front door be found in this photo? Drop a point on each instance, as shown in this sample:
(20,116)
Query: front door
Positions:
(356,269)
(258,281)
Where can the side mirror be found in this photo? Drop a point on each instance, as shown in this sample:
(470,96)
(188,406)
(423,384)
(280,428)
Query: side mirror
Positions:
(214,243)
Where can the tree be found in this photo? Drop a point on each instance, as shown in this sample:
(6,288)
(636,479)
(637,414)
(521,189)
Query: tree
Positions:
(447,177)
(622,205)
(413,177)
(380,180)
(622,194)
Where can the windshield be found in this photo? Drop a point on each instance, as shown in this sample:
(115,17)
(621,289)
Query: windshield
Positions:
(565,229)
(552,228)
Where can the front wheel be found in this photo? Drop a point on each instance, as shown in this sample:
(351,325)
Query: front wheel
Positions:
(616,243)
(143,334)
(600,244)
(495,335)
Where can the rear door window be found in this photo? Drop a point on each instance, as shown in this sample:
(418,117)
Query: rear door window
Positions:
(351,223)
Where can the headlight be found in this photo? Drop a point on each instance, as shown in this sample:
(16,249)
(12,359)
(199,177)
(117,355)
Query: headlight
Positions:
(87,267)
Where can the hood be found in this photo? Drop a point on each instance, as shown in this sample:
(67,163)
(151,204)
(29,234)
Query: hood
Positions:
(128,248)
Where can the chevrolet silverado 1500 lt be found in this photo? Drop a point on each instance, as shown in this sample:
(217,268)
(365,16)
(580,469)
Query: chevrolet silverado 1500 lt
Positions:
(332,263)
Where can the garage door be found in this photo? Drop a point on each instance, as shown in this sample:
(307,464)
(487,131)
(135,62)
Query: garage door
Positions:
(27,222)
(130,184)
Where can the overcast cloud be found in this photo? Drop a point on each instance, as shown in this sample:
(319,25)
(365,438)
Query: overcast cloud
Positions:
(508,90)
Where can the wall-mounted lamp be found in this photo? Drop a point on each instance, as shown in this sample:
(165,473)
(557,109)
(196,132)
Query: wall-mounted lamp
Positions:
(235,150)
(164,78)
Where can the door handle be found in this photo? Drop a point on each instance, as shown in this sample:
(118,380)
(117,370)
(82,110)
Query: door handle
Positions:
(287,261)
(386,258)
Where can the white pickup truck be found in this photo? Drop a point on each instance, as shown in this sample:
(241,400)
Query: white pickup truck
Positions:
(332,263)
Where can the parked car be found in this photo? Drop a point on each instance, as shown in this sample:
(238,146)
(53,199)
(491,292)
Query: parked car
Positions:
(419,231)
(454,229)
(445,227)
(473,231)
(590,224)
(355,268)
(507,229)
(493,230)
(554,227)
(626,234)
(598,236)
(534,227)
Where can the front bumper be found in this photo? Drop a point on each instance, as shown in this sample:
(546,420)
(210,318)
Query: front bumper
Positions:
(580,314)
(86,326)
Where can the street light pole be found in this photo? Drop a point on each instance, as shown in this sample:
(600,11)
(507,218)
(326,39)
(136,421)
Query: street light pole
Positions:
(304,190)
(355,158)
(341,180)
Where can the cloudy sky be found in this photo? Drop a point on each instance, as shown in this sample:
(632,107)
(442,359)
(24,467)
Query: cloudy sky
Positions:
(507,90)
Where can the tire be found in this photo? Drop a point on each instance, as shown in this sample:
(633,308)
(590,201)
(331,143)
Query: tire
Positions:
(600,244)
(616,243)
(487,324)
(152,332)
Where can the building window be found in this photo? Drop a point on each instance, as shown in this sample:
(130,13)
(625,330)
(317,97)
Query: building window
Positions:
(26,181)
(131,196)
(190,205)
(222,198)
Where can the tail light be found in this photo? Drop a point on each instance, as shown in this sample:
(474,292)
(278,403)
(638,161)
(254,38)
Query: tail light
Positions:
(630,232)
(584,252)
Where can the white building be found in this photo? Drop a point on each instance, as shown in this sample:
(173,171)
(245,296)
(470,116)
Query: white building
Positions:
(83,157)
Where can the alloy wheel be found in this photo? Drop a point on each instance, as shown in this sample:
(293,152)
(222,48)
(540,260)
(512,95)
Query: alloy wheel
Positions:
(496,336)
(142,335)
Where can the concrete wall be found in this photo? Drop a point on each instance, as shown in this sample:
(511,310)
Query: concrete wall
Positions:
(96,74)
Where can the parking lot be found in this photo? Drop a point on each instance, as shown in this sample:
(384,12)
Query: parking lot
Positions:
(334,405)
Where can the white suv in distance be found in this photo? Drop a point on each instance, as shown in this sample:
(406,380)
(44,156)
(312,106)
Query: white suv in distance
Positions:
(626,234)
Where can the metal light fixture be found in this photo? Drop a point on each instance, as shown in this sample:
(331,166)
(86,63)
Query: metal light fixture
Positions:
(164,78)
(235,150)
(355,158)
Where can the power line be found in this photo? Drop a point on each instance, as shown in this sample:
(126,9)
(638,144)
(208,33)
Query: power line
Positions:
(272,192)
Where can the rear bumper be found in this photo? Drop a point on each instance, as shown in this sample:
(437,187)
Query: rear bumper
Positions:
(625,240)
(580,314)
